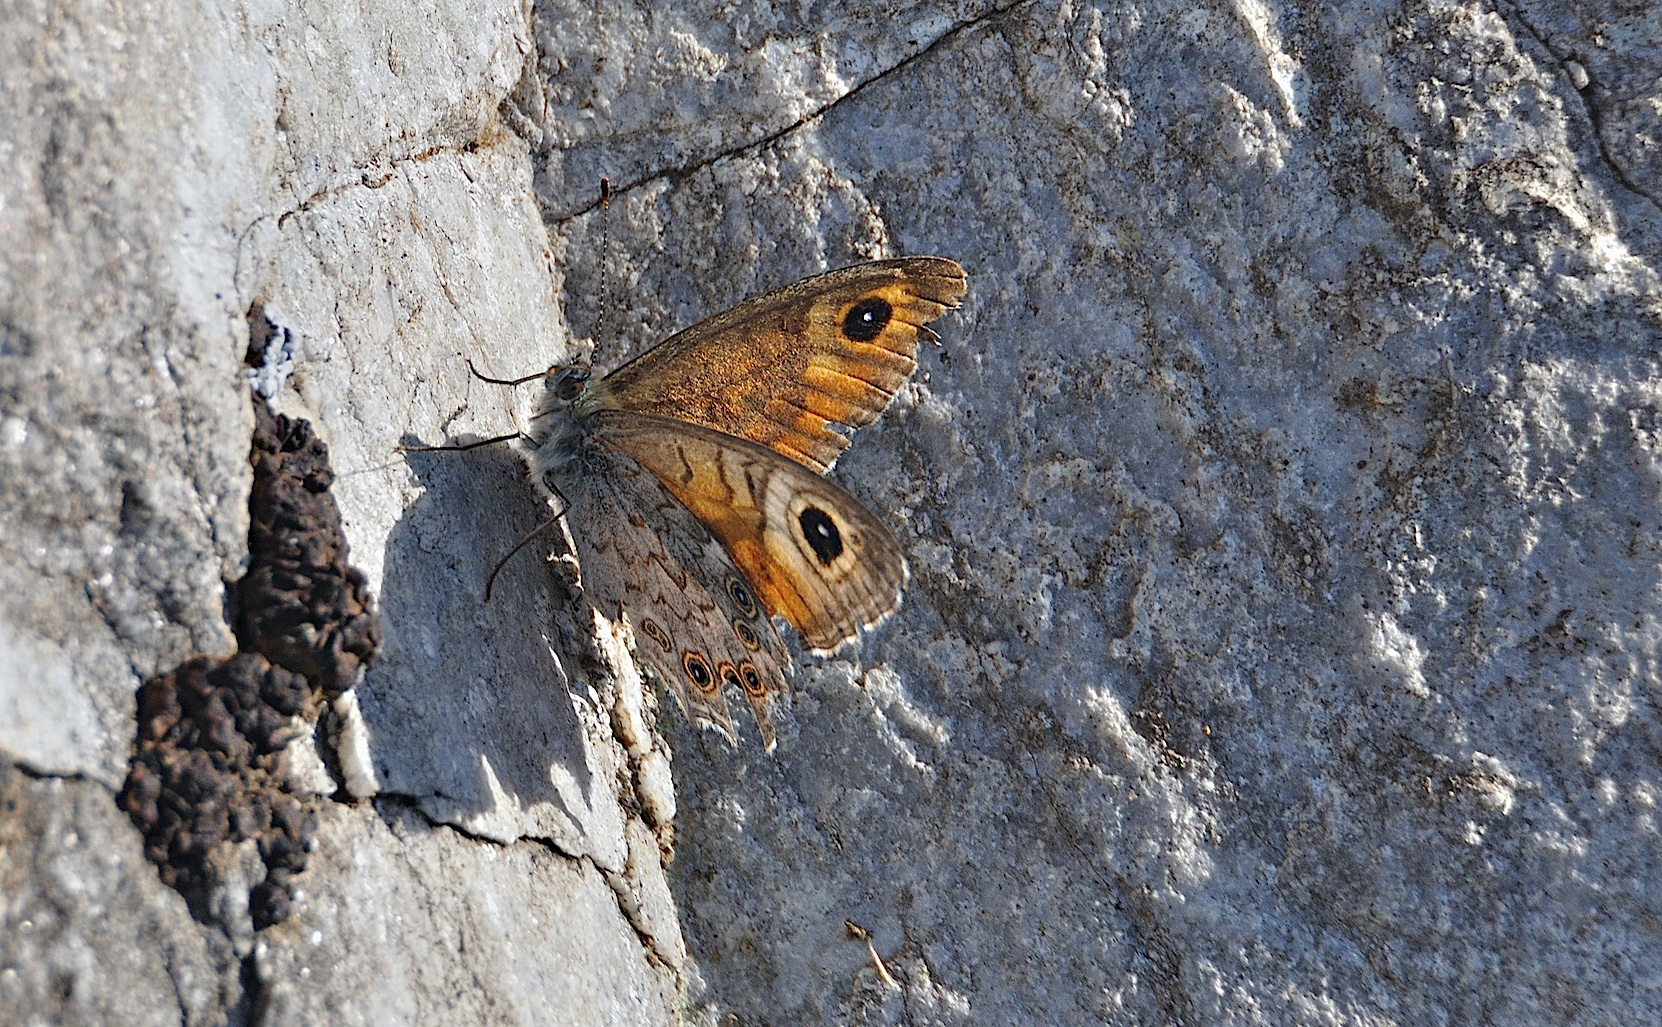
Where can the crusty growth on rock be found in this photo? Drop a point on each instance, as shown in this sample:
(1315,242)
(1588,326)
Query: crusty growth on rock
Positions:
(209,765)
(302,605)
(210,769)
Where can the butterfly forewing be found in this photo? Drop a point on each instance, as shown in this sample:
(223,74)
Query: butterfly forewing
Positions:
(813,553)
(784,369)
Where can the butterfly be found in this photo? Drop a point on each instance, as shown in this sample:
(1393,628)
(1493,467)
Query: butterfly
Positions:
(692,480)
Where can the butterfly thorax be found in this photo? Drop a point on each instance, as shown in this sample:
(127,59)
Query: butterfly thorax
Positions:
(557,434)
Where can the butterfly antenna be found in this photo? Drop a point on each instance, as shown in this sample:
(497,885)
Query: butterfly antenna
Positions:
(605,252)
(490,582)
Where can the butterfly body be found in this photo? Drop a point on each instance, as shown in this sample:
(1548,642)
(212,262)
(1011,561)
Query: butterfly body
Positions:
(691,478)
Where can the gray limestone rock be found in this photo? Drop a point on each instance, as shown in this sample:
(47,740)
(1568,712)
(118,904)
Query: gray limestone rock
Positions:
(409,922)
(1282,512)
(1282,508)
(189,184)
(91,936)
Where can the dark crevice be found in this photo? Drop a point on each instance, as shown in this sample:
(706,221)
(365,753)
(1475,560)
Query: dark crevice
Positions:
(617,881)
(385,801)
(1591,101)
(753,145)
(618,884)
(373,175)
(35,774)
(254,1004)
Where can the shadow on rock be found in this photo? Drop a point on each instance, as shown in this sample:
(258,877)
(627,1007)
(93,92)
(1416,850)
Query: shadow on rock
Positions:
(470,711)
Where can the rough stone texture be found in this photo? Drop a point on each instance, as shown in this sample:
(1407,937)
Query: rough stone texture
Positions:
(1282,506)
(720,78)
(83,908)
(123,436)
(406,922)
(338,177)
(1282,510)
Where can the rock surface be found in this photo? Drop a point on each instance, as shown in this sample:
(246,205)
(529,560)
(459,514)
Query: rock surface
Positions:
(1282,507)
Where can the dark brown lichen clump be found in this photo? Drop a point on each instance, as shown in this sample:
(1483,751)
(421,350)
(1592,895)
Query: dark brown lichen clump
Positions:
(302,605)
(209,767)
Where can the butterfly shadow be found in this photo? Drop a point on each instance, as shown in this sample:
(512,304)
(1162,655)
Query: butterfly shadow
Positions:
(469,710)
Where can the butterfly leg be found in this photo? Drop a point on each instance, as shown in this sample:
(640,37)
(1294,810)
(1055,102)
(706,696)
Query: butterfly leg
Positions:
(490,582)
(510,382)
(458,449)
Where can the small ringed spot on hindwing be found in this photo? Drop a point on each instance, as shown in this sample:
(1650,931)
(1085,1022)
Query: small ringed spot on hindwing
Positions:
(730,676)
(752,681)
(747,635)
(821,533)
(867,319)
(650,629)
(698,671)
(739,592)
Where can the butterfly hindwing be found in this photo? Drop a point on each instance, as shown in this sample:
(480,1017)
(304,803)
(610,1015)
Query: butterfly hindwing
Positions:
(783,369)
(697,624)
(763,682)
(813,553)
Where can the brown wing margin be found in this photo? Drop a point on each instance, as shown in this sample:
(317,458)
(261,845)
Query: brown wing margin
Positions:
(784,369)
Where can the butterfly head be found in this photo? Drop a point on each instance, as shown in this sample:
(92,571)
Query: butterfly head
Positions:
(564,390)
(560,412)
(567,385)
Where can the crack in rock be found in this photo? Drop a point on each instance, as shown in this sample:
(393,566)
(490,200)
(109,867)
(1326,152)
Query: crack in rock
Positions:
(769,138)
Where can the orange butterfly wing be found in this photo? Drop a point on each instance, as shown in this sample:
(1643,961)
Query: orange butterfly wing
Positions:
(783,369)
(814,554)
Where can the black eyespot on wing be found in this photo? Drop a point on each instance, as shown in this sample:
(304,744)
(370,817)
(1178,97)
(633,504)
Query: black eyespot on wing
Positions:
(742,597)
(867,319)
(821,533)
(752,681)
(747,635)
(698,671)
(650,629)
(730,676)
